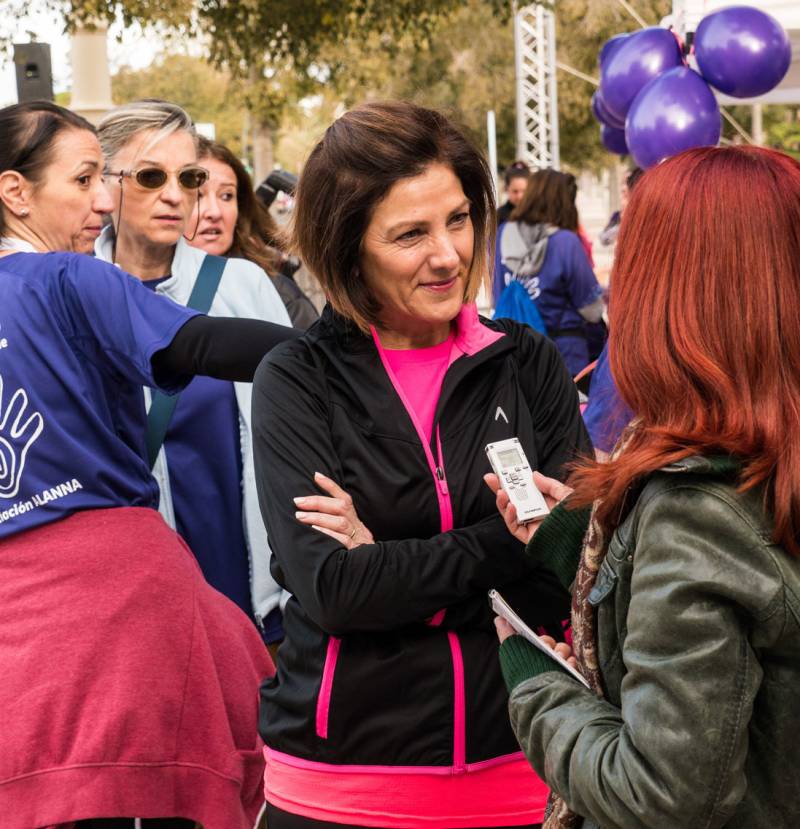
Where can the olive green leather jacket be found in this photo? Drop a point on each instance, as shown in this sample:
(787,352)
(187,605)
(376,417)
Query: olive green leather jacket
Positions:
(698,616)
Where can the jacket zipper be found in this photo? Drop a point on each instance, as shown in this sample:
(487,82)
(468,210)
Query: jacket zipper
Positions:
(446,517)
(445,504)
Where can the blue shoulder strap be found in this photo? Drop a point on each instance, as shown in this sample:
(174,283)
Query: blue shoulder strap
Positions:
(163,405)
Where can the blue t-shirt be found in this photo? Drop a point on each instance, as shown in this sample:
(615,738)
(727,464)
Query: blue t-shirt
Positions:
(564,283)
(606,414)
(76,340)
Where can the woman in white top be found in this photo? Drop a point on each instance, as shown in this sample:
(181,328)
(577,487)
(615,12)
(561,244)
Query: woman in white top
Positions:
(205,466)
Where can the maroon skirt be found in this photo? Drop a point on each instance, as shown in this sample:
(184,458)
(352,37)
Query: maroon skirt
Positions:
(129,686)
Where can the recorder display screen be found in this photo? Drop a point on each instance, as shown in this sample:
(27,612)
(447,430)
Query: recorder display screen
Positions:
(510,457)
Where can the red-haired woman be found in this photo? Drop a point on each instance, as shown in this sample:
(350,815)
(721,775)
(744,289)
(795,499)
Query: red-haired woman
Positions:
(686,610)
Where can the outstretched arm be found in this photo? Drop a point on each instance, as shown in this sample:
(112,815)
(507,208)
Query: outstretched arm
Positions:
(221,347)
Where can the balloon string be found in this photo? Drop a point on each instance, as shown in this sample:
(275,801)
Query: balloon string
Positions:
(633,13)
(736,125)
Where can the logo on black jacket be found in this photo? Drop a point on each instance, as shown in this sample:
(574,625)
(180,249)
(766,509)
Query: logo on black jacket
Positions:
(500,413)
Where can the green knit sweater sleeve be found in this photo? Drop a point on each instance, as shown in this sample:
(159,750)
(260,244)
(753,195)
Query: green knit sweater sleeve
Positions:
(519,660)
(557,545)
(558,542)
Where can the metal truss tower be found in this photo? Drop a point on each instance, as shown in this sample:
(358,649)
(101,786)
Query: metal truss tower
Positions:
(537,94)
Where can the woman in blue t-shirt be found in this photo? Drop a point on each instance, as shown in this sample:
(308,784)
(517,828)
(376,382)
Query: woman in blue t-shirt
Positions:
(129,685)
(540,247)
(207,486)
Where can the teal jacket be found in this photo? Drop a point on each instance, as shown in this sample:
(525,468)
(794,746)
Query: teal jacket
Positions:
(698,617)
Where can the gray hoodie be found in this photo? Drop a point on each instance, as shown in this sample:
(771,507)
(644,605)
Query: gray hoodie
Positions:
(523,247)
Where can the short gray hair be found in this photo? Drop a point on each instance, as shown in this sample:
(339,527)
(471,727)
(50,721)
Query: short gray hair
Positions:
(125,122)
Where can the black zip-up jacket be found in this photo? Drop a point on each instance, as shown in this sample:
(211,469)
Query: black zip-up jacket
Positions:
(390,656)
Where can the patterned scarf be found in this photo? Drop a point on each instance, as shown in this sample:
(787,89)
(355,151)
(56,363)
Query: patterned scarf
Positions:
(584,634)
(584,645)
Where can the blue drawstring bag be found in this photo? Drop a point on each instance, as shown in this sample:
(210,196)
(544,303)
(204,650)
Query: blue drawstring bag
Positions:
(515,303)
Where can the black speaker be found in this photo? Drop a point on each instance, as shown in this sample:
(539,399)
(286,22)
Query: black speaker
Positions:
(34,73)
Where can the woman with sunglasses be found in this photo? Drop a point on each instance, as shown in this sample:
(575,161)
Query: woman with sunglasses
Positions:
(205,466)
(128,684)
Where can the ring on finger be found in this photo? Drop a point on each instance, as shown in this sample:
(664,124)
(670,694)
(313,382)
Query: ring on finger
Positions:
(353,534)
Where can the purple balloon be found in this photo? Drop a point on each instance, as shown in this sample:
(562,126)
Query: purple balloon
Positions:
(674,112)
(611,46)
(601,113)
(742,51)
(613,140)
(644,55)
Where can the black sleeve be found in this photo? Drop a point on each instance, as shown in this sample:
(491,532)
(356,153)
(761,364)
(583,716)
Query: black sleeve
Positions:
(221,347)
(538,598)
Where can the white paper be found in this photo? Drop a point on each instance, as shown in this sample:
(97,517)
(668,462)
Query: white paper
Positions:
(503,609)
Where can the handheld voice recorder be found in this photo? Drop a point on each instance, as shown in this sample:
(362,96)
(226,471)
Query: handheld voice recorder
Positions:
(516,477)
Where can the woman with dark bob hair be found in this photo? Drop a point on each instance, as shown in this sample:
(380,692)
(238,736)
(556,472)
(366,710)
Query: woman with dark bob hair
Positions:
(128,687)
(686,614)
(388,708)
(541,247)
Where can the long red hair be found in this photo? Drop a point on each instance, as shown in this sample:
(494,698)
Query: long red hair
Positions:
(705,326)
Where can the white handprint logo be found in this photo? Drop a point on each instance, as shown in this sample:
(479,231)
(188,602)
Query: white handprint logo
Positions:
(16,436)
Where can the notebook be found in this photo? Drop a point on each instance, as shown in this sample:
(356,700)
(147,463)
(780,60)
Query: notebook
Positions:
(504,610)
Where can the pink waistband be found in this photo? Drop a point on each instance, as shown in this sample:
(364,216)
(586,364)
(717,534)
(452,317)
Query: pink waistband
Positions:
(501,792)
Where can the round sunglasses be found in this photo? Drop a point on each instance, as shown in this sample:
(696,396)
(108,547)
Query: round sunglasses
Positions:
(154,178)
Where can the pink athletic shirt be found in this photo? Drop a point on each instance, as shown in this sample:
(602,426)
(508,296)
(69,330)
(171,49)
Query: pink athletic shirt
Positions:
(420,373)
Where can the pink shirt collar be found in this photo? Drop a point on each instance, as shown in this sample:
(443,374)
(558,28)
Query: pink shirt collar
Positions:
(472,335)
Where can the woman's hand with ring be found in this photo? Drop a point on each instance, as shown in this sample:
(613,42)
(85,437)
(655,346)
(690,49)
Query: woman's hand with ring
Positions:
(333,515)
